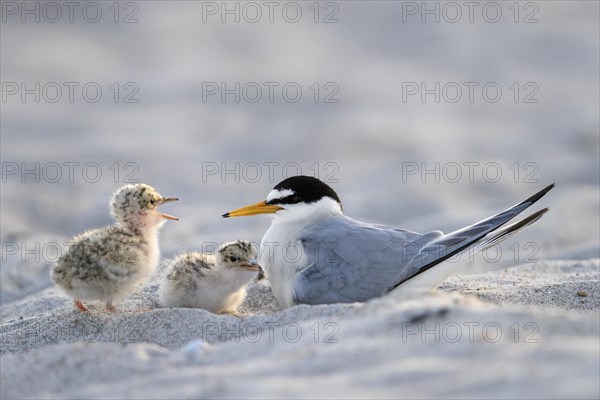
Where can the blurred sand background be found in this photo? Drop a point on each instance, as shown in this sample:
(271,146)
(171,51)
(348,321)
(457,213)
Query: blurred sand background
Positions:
(374,146)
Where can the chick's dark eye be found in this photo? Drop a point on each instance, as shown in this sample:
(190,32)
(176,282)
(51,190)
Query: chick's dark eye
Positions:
(233,259)
(152,201)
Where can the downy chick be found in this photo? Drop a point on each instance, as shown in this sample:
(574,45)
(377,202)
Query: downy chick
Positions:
(105,264)
(214,282)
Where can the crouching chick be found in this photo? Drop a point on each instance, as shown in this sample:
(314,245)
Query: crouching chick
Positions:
(214,282)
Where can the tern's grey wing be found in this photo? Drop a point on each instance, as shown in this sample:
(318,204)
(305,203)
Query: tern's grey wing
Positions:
(353,261)
(482,234)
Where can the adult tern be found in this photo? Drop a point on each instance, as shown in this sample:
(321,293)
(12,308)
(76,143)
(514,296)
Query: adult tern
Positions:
(314,254)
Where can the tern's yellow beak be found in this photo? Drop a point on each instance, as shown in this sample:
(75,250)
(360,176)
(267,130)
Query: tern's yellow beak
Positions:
(257,208)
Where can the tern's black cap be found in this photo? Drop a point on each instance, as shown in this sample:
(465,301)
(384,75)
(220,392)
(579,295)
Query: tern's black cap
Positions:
(306,189)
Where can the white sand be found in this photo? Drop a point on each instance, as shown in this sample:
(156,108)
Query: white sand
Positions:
(540,340)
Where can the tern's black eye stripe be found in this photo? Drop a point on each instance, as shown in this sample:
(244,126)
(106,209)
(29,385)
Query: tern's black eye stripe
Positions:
(291,199)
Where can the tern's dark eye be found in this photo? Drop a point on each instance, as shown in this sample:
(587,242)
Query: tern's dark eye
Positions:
(233,259)
(152,201)
(292,199)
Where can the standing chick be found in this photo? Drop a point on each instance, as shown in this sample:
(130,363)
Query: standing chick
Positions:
(105,264)
(213,282)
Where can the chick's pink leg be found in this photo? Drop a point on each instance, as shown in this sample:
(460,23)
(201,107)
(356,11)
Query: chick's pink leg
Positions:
(109,307)
(80,306)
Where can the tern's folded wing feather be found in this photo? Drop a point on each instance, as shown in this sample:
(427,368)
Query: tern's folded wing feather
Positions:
(352,261)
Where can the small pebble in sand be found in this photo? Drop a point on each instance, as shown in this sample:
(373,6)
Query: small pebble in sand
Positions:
(581,293)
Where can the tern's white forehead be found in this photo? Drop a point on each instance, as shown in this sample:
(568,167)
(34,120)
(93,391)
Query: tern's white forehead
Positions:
(278,194)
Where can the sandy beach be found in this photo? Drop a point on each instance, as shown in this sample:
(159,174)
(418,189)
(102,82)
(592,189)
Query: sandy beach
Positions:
(422,120)
(521,332)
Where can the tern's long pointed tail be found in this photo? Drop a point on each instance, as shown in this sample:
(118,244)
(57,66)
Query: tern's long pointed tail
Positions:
(481,235)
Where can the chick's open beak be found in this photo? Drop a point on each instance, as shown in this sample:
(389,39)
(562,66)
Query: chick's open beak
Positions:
(167,200)
(253,209)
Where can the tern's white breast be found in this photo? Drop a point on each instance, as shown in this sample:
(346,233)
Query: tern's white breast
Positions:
(282,256)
